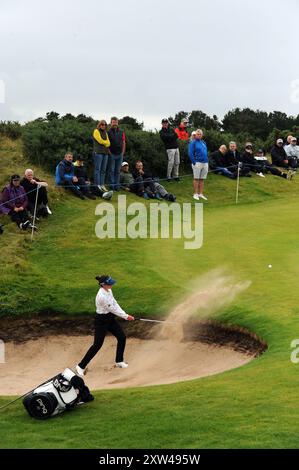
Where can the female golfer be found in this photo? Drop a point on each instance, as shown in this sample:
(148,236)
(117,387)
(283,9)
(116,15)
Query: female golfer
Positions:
(107,308)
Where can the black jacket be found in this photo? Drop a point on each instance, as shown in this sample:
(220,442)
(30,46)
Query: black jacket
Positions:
(248,158)
(278,154)
(233,158)
(217,159)
(116,138)
(80,172)
(169,138)
(146,175)
(31,195)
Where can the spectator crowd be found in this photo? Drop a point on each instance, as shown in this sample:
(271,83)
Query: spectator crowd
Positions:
(25,199)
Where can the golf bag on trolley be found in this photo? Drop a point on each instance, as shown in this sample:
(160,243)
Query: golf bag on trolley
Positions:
(63,392)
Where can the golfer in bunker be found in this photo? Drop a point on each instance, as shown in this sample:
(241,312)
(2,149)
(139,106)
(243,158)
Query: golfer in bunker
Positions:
(105,320)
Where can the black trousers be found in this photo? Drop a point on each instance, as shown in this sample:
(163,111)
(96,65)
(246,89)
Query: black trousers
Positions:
(19,217)
(103,324)
(42,199)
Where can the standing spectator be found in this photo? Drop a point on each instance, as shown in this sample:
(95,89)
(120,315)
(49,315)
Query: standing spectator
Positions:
(101,144)
(65,175)
(181,130)
(170,140)
(29,183)
(117,149)
(80,172)
(198,154)
(14,202)
(292,151)
(218,163)
(278,154)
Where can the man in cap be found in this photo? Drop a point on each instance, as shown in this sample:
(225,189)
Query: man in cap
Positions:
(107,309)
(181,130)
(170,139)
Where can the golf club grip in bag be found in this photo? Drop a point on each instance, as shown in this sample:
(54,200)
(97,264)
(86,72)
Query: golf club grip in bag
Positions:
(63,392)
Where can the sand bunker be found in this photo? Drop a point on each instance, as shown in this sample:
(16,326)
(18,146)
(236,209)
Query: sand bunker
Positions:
(170,353)
(151,362)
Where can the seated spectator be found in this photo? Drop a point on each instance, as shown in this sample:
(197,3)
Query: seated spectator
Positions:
(278,154)
(288,140)
(233,158)
(65,175)
(14,202)
(219,163)
(30,183)
(151,187)
(292,151)
(80,172)
(181,130)
(259,163)
(266,166)
(249,161)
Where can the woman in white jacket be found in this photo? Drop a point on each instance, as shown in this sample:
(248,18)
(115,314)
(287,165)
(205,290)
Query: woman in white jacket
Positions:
(107,309)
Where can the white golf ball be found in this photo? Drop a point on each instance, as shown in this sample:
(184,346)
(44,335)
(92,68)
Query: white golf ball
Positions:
(270,266)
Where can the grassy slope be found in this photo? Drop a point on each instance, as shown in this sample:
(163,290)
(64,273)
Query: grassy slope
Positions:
(253,406)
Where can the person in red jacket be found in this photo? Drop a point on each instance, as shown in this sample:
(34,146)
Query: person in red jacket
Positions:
(181,131)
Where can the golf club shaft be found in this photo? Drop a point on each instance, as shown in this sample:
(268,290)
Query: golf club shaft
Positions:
(22,396)
(157,321)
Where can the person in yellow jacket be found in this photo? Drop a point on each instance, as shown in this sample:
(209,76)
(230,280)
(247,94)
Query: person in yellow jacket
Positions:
(101,152)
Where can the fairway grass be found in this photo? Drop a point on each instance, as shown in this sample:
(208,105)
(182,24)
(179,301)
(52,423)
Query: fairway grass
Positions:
(255,406)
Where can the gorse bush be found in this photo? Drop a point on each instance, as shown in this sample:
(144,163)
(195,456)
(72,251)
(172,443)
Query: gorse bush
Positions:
(11,129)
(46,140)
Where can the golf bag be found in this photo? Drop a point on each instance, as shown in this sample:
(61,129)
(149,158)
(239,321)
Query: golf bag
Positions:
(63,392)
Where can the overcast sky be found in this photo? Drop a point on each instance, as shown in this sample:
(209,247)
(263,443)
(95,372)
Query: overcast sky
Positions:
(147,58)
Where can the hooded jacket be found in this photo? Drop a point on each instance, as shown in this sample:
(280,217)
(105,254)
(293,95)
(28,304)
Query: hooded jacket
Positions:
(13,197)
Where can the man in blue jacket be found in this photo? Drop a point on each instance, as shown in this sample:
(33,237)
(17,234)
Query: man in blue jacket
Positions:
(198,154)
(65,175)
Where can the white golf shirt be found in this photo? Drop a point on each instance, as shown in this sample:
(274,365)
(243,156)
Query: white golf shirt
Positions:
(105,303)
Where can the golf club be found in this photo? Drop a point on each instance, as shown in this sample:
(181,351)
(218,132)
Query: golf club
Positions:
(157,321)
(22,396)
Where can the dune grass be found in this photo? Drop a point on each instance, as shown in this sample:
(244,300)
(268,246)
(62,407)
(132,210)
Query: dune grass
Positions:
(254,406)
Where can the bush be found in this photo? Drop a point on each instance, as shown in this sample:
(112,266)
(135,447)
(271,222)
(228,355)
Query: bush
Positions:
(11,129)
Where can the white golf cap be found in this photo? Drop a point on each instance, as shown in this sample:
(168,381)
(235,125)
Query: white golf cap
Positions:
(279,140)
(124,164)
